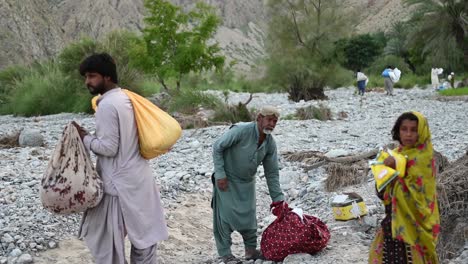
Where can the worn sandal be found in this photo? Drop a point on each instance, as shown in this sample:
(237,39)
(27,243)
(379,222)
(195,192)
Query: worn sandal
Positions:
(253,254)
(231,259)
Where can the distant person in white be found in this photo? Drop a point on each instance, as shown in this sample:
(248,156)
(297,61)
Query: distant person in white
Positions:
(435,77)
(361,82)
(131,204)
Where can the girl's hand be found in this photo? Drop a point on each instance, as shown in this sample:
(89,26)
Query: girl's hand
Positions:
(390,162)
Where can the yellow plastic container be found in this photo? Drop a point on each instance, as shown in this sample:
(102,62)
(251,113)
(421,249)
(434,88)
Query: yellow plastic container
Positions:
(353,207)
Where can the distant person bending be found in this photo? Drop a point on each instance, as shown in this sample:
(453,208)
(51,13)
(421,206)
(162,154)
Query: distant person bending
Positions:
(236,156)
(131,204)
(451,79)
(409,231)
(361,82)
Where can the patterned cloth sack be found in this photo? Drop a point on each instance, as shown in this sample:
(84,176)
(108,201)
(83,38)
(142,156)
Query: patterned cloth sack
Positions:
(292,232)
(70,183)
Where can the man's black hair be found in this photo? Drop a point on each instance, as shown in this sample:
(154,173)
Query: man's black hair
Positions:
(396,127)
(101,63)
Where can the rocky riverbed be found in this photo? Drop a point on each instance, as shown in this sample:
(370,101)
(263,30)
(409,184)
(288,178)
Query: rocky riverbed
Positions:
(30,234)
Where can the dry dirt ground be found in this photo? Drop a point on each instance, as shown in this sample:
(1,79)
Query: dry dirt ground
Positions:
(191,240)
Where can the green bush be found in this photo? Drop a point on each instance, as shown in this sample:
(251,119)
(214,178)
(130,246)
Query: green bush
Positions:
(232,113)
(361,50)
(188,101)
(375,81)
(225,81)
(319,112)
(8,78)
(380,64)
(454,92)
(71,56)
(408,81)
(118,44)
(47,90)
(148,87)
(341,78)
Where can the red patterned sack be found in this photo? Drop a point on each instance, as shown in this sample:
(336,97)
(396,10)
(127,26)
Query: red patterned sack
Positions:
(289,234)
(70,183)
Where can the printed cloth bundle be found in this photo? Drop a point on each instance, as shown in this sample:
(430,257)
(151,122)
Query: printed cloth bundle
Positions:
(157,130)
(292,232)
(383,175)
(70,183)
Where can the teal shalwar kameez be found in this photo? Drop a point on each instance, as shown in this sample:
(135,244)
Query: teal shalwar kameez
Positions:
(236,155)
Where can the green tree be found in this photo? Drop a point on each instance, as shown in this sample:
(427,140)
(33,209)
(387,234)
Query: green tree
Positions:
(177,42)
(397,45)
(361,50)
(397,38)
(442,25)
(300,44)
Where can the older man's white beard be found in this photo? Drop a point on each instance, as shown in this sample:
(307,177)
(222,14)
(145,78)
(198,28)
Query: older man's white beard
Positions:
(267,131)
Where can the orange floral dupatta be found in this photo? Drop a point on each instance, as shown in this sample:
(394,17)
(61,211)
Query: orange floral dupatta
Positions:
(415,212)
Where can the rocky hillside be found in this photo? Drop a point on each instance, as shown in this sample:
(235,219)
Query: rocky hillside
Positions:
(28,31)
(37,29)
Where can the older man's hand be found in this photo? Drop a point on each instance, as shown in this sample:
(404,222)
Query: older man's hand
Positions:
(222,184)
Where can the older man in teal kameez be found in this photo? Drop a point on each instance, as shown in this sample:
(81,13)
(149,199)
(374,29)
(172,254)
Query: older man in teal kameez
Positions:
(236,156)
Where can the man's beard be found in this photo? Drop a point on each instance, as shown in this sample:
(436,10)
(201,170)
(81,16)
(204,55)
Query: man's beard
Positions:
(95,90)
(267,131)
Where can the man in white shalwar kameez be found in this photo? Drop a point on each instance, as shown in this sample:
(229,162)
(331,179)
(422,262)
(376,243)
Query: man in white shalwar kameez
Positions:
(131,204)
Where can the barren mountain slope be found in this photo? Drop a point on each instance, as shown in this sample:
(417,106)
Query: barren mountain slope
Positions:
(378,15)
(40,28)
(27,31)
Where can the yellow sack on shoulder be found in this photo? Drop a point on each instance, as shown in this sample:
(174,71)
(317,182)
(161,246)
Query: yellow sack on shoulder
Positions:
(157,130)
(384,175)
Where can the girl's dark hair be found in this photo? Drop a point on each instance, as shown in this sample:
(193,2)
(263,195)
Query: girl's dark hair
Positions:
(396,127)
(101,63)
